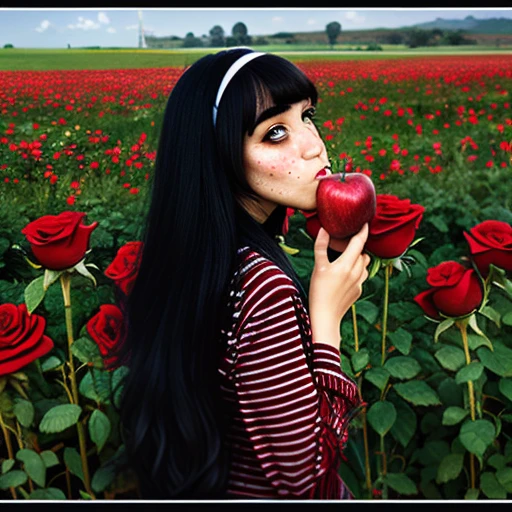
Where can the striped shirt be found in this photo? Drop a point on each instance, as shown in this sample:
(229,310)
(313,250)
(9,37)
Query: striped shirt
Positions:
(289,402)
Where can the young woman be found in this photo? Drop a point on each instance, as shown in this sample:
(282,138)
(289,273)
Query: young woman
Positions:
(235,389)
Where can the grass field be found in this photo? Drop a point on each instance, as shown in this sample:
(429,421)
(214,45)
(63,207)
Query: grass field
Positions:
(55,59)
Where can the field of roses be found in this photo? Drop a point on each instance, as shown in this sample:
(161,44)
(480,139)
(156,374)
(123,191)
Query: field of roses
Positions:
(429,342)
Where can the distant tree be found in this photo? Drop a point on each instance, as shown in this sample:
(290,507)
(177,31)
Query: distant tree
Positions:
(240,34)
(260,41)
(191,41)
(283,35)
(418,37)
(333,30)
(456,38)
(217,36)
(8,45)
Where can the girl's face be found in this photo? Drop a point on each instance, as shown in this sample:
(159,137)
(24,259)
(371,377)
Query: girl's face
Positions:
(282,157)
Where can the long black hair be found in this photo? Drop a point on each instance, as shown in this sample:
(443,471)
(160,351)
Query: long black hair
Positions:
(172,417)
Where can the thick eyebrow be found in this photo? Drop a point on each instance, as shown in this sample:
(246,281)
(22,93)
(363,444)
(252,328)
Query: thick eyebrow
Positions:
(267,114)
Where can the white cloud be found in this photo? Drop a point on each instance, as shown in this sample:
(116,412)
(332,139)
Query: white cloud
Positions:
(354,17)
(103,18)
(111,30)
(84,24)
(132,27)
(45,24)
(311,22)
(277,19)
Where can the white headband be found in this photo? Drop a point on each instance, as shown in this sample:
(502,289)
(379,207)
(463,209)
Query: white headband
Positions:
(235,67)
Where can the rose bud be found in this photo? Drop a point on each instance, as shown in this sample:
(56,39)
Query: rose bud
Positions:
(312,223)
(456,291)
(106,329)
(125,266)
(393,227)
(59,241)
(21,338)
(490,242)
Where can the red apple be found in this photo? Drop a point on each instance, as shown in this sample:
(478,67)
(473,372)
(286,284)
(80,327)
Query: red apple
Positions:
(345,202)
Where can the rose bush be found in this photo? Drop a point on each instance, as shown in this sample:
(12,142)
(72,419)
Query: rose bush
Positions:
(124,267)
(106,329)
(456,291)
(22,338)
(490,242)
(59,241)
(393,227)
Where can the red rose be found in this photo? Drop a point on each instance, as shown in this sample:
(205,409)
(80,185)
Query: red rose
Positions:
(125,266)
(59,241)
(106,329)
(21,338)
(312,223)
(393,227)
(456,291)
(491,242)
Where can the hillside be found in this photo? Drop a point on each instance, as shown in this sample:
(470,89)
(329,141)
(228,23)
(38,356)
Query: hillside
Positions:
(471,25)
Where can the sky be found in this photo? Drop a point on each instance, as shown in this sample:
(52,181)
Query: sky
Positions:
(56,28)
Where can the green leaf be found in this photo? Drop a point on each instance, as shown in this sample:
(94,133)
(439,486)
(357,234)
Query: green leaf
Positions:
(99,428)
(402,367)
(50,363)
(443,326)
(73,462)
(470,372)
(491,487)
(450,358)
(404,429)
(378,376)
(417,392)
(491,314)
(7,465)
(507,318)
(472,323)
(381,416)
(95,385)
(504,477)
(497,461)
(59,418)
(34,294)
(103,477)
(401,340)
(84,495)
(50,493)
(450,467)
(471,494)
(24,411)
(453,415)
(360,359)
(505,387)
(33,465)
(13,478)
(475,341)
(477,436)
(49,458)
(499,361)
(87,351)
(367,310)
(401,483)
(374,267)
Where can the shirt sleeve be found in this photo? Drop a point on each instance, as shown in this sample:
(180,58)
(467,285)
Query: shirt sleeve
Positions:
(293,412)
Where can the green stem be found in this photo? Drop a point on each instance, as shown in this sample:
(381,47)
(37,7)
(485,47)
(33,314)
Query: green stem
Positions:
(10,453)
(463,327)
(65,281)
(387,273)
(384,469)
(363,415)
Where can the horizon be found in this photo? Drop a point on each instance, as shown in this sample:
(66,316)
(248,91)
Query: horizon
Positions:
(54,28)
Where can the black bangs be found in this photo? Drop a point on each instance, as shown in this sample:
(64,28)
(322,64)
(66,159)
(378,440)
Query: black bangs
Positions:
(270,80)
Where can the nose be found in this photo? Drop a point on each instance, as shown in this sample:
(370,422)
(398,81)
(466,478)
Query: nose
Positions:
(312,143)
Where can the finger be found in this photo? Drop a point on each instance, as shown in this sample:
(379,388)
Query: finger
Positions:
(320,247)
(355,247)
